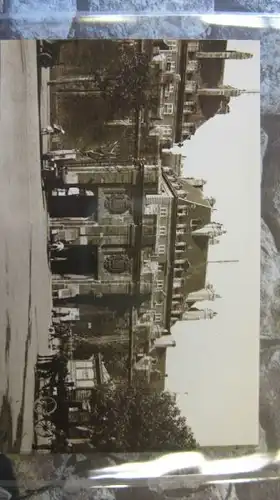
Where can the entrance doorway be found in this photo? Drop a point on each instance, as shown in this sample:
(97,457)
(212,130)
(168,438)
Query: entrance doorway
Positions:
(72,205)
(80,259)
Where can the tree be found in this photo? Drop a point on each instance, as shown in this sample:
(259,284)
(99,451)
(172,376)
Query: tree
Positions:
(129,419)
(124,83)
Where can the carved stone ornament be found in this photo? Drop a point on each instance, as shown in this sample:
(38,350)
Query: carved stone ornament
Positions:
(117,264)
(117,203)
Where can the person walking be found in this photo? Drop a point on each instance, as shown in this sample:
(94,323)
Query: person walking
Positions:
(57,246)
(52,130)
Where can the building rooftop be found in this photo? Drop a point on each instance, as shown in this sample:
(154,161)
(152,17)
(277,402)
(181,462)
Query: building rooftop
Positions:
(194,194)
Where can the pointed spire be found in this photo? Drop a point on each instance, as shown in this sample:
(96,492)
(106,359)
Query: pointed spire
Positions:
(197,314)
(226,91)
(220,91)
(212,230)
(211,200)
(205,294)
(250,91)
(227,54)
(164,342)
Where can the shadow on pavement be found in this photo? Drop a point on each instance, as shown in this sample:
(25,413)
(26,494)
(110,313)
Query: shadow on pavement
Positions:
(6,422)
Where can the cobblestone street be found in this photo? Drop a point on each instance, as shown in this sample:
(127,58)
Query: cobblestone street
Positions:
(25,290)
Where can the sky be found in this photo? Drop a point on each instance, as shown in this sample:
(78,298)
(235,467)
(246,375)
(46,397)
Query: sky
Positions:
(214,368)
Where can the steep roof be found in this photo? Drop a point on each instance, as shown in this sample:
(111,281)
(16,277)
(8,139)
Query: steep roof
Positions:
(197,246)
(210,75)
(194,194)
(212,70)
(195,277)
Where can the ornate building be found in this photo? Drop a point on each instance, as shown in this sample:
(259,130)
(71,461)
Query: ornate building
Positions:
(136,234)
(192,86)
(186,90)
(134,261)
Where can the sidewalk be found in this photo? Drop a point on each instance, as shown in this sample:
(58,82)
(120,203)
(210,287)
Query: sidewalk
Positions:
(25,285)
(45,146)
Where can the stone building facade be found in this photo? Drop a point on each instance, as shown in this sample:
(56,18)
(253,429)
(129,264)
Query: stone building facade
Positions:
(192,85)
(187,90)
(136,233)
(134,261)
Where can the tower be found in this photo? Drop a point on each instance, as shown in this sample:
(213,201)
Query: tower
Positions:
(227,54)
(212,230)
(196,314)
(164,342)
(207,293)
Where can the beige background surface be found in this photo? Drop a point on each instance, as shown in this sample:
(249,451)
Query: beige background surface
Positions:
(217,362)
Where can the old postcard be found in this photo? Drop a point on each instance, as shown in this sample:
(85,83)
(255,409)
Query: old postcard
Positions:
(130,251)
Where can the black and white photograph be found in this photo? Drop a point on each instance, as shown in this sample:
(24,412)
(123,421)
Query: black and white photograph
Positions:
(130,249)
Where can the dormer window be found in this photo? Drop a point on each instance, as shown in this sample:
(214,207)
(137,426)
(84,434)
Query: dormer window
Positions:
(196,224)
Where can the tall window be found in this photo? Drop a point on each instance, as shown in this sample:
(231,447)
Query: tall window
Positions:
(160,284)
(168,109)
(196,224)
(172,45)
(188,106)
(162,230)
(163,211)
(161,249)
(169,89)
(161,268)
(158,318)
